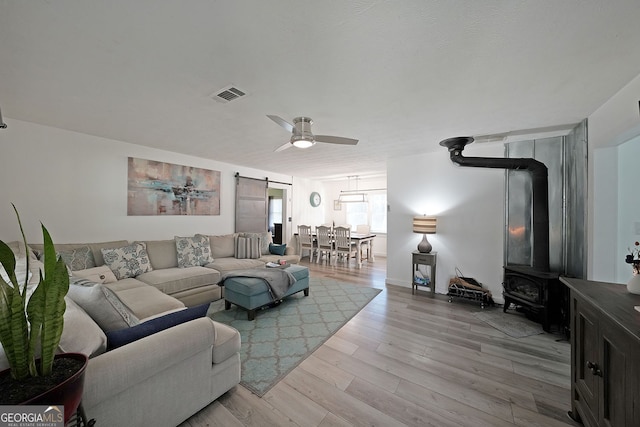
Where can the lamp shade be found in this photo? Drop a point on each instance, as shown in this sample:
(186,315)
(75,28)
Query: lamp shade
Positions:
(424,224)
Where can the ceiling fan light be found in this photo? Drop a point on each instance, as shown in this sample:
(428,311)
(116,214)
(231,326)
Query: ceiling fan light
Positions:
(302,142)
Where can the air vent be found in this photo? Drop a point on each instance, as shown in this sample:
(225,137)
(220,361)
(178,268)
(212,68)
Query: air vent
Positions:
(228,94)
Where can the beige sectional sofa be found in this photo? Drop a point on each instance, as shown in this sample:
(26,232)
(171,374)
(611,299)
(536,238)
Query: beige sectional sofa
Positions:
(165,377)
(191,285)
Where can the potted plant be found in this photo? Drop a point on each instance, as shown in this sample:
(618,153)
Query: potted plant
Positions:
(36,325)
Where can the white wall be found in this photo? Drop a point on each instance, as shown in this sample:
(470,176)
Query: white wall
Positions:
(469,205)
(76,184)
(614,123)
(303,212)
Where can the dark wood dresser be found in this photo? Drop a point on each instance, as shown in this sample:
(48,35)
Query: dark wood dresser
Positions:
(605,353)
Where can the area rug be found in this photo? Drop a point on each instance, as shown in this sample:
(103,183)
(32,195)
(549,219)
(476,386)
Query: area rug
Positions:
(514,324)
(283,336)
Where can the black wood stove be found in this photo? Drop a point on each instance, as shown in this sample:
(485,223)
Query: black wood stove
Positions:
(535,289)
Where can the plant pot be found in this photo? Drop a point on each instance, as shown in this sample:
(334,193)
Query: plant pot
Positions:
(67,393)
(633,286)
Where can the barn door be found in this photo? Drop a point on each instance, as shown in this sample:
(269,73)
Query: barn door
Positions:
(251,205)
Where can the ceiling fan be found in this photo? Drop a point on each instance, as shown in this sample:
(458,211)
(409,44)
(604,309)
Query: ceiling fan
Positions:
(302,137)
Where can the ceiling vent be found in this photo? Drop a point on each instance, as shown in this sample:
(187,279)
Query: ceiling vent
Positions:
(228,94)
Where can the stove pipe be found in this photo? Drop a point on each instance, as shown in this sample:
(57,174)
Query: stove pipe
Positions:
(538,172)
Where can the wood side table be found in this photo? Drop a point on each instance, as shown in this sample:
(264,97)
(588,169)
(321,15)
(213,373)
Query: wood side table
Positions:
(420,258)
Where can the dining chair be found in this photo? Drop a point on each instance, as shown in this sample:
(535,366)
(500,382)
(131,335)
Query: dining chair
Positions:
(306,241)
(364,229)
(324,236)
(344,246)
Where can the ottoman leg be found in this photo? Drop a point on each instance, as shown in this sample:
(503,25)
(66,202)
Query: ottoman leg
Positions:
(306,292)
(251,315)
(227,305)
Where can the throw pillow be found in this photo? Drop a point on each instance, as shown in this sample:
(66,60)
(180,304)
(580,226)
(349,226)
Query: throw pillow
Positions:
(101,304)
(81,334)
(265,240)
(128,261)
(78,259)
(277,249)
(248,247)
(125,336)
(193,251)
(102,274)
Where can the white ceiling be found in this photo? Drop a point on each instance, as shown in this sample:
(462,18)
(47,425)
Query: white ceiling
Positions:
(398,75)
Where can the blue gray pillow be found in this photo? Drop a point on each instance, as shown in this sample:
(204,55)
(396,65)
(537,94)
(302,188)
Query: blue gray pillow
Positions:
(125,336)
(277,249)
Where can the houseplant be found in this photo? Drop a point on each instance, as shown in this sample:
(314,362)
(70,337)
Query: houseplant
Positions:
(633,258)
(35,326)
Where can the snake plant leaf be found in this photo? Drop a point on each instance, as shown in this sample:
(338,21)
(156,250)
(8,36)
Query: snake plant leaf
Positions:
(38,324)
(14,330)
(47,306)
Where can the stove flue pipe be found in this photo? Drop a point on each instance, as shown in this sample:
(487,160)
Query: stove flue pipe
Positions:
(538,172)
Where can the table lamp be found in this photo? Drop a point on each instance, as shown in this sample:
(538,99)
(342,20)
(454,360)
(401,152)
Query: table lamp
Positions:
(425,225)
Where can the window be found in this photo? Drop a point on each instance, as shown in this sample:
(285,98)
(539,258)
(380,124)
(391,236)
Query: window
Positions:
(373,212)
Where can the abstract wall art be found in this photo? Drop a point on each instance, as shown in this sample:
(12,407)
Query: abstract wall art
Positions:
(158,188)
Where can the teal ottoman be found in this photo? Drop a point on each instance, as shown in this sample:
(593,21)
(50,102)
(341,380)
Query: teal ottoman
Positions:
(252,293)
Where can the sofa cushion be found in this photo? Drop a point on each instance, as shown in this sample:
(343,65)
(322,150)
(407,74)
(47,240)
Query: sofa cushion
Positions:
(125,336)
(128,261)
(102,274)
(162,253)
(171,280)
(102,304)
(193,251)
(143,300)
(78,259)
(223,246)
(277,249)
(81,334)
(248,247)
(227,342)
(226,265)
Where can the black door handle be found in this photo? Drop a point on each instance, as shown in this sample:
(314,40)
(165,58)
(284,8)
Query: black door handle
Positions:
(594,368)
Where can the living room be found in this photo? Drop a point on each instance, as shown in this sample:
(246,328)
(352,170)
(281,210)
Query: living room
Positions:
(74,179)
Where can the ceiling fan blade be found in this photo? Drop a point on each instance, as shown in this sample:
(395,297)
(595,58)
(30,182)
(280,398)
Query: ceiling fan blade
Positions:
(282,122)
(335,139)
(283,147)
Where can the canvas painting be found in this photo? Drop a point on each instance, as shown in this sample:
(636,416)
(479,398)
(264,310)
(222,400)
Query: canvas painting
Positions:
(158,188)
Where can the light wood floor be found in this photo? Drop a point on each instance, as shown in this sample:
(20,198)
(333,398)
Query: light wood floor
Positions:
(410,360)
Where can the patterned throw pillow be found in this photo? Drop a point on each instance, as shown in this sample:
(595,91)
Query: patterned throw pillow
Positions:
(79,258)
(101,304)
(248,248)
(193,251)
(128,261)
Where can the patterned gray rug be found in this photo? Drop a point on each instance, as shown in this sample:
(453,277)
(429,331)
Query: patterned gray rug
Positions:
(514,324)
(283,336)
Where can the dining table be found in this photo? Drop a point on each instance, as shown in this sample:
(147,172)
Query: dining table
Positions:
(359,239)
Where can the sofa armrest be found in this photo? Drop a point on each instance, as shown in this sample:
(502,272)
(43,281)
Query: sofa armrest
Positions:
(115,371)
